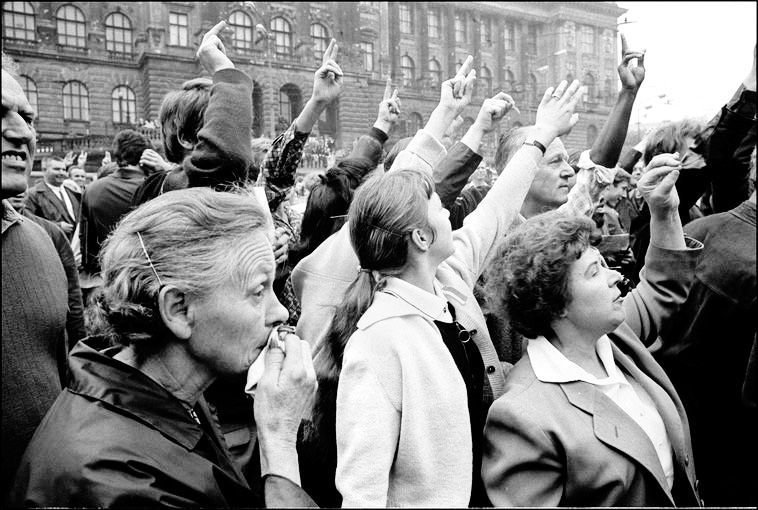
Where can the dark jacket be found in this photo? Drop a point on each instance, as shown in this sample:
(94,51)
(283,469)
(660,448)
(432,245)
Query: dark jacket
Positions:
(705,352)
(34,334)
(568,444)
(75,318)
(104,203)
(451,176)
(116,438)
(41,201)
(223,154)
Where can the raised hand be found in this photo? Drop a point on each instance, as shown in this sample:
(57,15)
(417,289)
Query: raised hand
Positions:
(457,91)
(389,109)
(631,77)
(327,81)
(106,158)
(68,159)
(81,160)
(494,110)
(211,53)
(555,114)
(657,184)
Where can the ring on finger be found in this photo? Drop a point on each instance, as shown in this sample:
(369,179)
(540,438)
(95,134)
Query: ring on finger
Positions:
(556,96)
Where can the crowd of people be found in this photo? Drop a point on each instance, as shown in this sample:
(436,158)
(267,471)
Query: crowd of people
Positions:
(409,328)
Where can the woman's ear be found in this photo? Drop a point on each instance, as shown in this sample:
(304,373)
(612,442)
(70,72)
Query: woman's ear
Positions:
(420,239)
(186,144)
(174,310)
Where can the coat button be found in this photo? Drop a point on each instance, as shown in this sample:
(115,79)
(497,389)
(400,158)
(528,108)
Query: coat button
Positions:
(490,369)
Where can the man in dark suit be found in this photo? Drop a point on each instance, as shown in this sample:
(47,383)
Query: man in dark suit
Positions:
(51,200)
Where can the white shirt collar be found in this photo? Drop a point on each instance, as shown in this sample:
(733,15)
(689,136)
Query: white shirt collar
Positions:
(55,189)
(433,305)
(550,365)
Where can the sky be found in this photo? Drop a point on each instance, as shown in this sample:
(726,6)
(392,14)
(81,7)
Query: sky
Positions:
(698,53)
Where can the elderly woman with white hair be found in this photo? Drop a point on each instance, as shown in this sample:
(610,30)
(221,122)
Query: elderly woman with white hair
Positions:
(187,297)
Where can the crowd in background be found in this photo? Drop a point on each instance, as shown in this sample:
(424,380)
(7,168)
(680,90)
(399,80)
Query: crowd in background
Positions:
(202,326)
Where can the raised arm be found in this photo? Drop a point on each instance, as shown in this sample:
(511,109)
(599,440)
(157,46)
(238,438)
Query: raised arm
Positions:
(222,155)
(607,147)
(462,160)
(283,158)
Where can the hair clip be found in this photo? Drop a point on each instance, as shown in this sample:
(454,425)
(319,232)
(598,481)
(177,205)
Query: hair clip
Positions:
(144,250)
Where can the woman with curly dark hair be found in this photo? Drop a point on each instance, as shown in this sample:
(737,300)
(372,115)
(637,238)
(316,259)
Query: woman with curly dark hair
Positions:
(588,417)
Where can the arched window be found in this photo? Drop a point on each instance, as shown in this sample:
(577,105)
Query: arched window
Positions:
(435,73)
(282,31)
(71,26)
(486,77)
(408,70)
(290,98)
(589,91)
(30,89)
(320,37)
(510,81)
(415,122)
(124,105)
(118,33)
(75,101)
(591,135)
(242,26)
(532,84)
(18,21)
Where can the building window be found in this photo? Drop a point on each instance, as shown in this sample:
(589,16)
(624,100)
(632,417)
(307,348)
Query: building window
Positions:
(532,88)
(18,21)
(415,122)
(435,73)
(510,81)
(75,101)
(289,102)
(407,70)
(242,27)
(433,17)
(531,40)
(124,105)
(30,90)
(282,31)
(608,41)
(486,77)
(71,25)
(588,39)
(177,29)
(368,56)
(485,33)
(509,36)
(320,38)
(589,88)
(591,135)
(405,17)
(460,27)
(118,34)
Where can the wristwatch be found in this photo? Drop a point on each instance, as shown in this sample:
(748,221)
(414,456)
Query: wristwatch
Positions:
(537,144)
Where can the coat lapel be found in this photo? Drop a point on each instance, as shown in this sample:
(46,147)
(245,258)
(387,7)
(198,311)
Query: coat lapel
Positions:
(57,203)
(616,429)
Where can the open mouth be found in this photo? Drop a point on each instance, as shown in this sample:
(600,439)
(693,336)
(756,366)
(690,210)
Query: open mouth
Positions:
(14,158)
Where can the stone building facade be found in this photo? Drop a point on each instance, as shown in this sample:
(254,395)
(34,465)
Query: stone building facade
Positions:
(93,68)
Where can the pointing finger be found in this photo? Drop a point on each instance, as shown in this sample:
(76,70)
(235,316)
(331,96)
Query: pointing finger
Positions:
(328,52)
(623,44)
(216,29)
(387,89)
(466,67)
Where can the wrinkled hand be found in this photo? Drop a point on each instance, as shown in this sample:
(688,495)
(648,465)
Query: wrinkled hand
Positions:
(657,184)
(453,128)
(106,158)
(631,77)
(153,161)
(389,109)
(211,53)
(68,159)
(281,245)
(457,91)
(327,81)
(81,160)
(494,110)
(556,110)
(284,394)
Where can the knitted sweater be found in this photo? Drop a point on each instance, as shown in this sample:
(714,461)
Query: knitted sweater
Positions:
(35,302)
